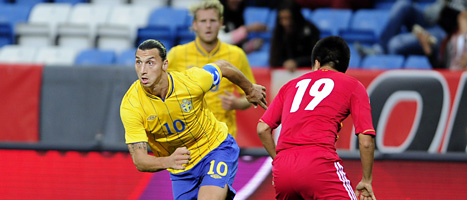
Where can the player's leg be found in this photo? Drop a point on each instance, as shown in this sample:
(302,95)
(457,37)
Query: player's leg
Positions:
(285,178)
(211,192)
(220,168)
(335,184)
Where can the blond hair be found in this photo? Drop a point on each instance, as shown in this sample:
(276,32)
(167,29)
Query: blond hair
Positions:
(208,4)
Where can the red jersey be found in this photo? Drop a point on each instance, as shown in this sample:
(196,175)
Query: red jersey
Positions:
(311,108)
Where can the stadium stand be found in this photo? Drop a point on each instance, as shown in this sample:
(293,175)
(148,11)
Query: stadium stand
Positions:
(53,55)
(260,15)
(331,21)
(365,26)
(41,27)
(80,30)
(126,58)
(355,57)
(17,54)
(417,62)
(121,29)
(10,15)
(162,29)
(95,57)
(382,62)
(182,3)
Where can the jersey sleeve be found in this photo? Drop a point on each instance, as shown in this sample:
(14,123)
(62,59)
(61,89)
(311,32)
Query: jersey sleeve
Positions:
(272,116)
(361,111)
(133,123)
(216,74)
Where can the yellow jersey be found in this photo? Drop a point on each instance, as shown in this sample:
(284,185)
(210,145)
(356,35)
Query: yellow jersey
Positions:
(183,57)
(181,119)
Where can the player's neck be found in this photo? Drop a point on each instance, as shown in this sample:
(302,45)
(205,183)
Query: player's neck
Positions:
(160,89)
(327,67)
(209,46)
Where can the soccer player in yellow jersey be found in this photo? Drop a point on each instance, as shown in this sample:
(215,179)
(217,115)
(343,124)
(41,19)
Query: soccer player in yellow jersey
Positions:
(207,48)
(168,112)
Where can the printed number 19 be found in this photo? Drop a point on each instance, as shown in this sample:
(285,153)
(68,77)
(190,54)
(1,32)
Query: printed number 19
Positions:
(328,85)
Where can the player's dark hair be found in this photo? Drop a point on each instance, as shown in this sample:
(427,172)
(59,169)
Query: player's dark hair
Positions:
(151,44)
(332,51)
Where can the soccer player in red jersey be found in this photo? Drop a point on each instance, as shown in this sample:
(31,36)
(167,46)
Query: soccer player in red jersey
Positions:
(310,109)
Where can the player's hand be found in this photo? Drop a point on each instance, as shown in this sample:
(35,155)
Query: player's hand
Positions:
(179,159)
(364,191)
(257,96)
(228,101)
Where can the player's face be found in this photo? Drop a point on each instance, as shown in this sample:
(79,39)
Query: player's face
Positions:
(207,25)
(150,67)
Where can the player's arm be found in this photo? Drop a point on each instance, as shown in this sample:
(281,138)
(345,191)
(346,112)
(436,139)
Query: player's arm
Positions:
(148,163)
(265,135)
(256,94)
(230,101)
(367,149)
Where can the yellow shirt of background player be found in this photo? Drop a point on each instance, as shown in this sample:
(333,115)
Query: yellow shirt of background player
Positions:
(178,120)
(183,57)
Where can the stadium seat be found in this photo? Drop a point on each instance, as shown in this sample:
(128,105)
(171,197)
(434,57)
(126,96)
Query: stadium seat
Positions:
(74,2)
(80,29)
(95,57)
(183,3)
(331,21)
(259,59)
(108,2)
(417,62)
(162,29)
(151,3)
(10,15)
(30,2)
(355,58)
(41,28)
(307,13)
(383,62)
(366,26)
(258,15)
(121,29)
(62,56)
(126,58)
(17,54)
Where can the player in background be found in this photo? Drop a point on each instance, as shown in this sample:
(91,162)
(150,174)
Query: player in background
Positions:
(206,48)
(168,112)
(310,109)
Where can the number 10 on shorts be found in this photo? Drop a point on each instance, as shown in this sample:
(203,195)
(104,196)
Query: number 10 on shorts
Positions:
(221,168)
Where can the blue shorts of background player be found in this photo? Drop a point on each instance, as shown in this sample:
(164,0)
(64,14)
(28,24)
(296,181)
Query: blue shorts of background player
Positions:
(218,168)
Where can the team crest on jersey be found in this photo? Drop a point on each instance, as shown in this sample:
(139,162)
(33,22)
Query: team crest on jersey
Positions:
(151,117)
(186,105)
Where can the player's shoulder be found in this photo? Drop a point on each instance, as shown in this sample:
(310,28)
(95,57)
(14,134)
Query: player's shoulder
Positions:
(233,48)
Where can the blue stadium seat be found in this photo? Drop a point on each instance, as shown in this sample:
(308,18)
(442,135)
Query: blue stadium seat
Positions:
(417,62)
(162,28)
(331,21)
(260,15)
(355,58)
(95,57)
(383,62)
(71,1)
(366,26)
(30,2)
(259,59)
(307,13)
(126,58)
(10,15)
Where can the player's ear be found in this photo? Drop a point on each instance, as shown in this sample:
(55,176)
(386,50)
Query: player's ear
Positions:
(165,65)
(316,66)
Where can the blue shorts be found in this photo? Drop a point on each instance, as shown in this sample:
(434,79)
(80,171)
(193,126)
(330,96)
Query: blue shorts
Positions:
(217,168)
